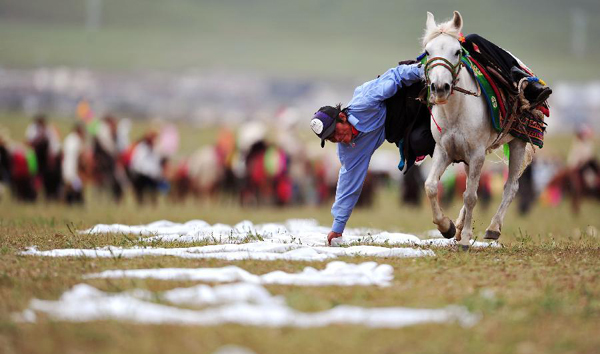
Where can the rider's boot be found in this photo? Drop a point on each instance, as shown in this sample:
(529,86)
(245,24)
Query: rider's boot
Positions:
(535,92)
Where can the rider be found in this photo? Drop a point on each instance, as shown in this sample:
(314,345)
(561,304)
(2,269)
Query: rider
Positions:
(361,128)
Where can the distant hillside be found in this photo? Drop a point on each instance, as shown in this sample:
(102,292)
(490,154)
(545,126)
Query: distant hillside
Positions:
(290,38)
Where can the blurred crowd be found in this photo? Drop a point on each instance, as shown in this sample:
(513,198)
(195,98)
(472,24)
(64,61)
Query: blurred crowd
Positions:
(251,166)
(98,155)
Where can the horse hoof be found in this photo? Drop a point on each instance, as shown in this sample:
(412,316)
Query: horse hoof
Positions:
(463,248)
(491,235)
(451,231)
(458,235)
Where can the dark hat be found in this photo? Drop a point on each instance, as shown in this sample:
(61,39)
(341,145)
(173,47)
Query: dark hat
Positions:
(323,122)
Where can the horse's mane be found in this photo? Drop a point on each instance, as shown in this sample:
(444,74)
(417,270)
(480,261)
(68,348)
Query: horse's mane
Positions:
(442,28)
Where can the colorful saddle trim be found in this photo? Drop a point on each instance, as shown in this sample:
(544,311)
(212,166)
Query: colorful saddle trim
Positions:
(490,91)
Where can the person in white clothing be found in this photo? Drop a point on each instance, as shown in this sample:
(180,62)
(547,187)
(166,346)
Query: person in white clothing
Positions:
(73,147)
(146,168)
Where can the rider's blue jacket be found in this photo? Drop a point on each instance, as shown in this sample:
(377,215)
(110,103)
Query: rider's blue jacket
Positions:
(366,112)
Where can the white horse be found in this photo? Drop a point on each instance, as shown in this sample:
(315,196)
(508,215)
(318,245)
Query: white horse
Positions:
(466,131)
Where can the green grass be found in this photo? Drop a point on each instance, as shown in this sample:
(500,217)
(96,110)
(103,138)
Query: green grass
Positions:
(538,294)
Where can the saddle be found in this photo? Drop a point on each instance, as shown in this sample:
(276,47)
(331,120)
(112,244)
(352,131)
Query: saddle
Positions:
(509,110)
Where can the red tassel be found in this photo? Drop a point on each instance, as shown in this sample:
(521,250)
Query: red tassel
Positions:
(432,117)
(545,111)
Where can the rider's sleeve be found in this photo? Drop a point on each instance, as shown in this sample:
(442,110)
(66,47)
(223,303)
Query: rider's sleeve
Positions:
(396,78)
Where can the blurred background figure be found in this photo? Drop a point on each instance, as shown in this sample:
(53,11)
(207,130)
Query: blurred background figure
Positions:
(147,168)
(122,135)
(73,149)
(296,187)
(206,171)
(484,192)
(23,171)
(582,148)
(583,168)
(412,187)
(227,153)
(108,172)
(262,168)
(44,140)
(527,193)
(447,187)
(5,162)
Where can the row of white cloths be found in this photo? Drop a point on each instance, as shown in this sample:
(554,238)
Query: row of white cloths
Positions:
(305,232)
(246,303)
(334,274)
(262,250)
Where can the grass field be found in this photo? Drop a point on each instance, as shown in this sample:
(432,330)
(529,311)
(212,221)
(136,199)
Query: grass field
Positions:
(539,293)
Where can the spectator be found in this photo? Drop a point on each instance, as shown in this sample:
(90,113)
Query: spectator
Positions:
(106,157)
(23,170)
(46,144)
(146,168)
(71,166)
(5,162)
(412,187)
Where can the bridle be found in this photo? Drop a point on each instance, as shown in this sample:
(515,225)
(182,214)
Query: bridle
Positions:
(441,61)
(454,71)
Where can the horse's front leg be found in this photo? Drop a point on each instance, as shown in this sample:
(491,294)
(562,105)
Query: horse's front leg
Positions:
(460,221)
(518,153)
(439,164)
(470,197)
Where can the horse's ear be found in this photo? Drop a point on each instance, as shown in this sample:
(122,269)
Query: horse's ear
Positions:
(430,24)
(457,21)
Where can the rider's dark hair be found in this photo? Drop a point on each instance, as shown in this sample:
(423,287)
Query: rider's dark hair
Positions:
(339,108)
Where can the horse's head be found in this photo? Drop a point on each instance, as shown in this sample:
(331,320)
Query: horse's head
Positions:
(443,50)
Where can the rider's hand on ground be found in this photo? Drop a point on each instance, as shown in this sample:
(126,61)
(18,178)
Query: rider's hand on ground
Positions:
(332,235)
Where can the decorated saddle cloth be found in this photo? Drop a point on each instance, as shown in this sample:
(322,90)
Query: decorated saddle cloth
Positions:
(526,125)
(506,112)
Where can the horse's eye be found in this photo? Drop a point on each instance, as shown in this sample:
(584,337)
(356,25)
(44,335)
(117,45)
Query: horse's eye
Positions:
(457,53)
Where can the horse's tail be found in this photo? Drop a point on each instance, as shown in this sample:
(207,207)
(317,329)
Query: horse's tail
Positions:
(529,151)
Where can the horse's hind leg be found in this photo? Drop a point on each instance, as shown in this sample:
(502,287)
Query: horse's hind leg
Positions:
(518,154)
(470,196)
(439,165)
